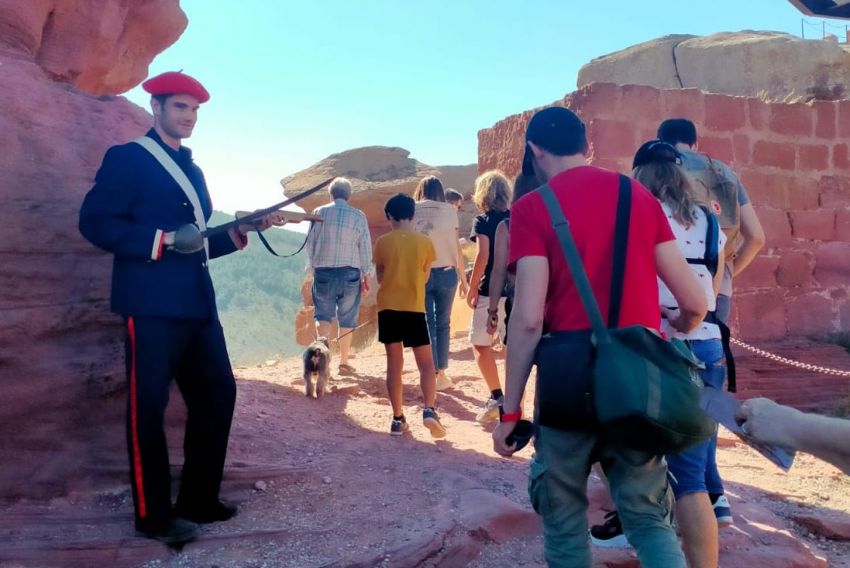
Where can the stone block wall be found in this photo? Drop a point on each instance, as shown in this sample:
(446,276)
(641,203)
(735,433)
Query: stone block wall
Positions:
(792,158)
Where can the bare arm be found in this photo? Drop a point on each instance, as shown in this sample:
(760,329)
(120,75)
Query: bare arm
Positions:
(826,438)
(524,331)
(718,277)
(481,258)
(500,266)
(463,290)
(674,271)
(753,237)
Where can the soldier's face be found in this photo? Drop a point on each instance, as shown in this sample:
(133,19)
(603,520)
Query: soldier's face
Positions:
(178,115)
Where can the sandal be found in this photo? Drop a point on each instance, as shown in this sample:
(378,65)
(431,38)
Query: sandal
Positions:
(346,369)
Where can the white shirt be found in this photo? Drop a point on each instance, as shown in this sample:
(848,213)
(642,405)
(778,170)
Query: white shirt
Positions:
(438,220)
(691,241)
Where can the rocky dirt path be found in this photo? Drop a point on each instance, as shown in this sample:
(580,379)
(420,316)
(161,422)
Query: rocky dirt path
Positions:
(320,483)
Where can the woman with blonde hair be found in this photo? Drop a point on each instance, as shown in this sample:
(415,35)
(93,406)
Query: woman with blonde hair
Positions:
(492,197)
(438,220)
(500,278)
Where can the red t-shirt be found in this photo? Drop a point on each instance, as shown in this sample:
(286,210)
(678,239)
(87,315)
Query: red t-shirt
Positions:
(588,196)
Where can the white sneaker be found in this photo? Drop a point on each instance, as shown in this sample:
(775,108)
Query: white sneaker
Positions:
(443,382)
(490,412)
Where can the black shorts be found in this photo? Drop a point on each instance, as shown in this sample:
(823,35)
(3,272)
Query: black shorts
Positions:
(409,328)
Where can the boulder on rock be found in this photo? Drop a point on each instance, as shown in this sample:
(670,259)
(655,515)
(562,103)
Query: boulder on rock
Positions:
(775,65)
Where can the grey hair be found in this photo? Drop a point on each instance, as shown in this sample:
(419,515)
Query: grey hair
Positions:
(340,188)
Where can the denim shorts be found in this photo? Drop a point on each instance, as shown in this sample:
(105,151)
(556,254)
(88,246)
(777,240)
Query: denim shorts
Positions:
(336,295)
(688,468)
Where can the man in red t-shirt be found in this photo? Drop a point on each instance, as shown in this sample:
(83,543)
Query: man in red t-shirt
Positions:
(556,144)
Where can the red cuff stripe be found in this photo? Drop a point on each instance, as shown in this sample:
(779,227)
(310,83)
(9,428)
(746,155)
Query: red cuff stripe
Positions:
(161,244)
(134,423)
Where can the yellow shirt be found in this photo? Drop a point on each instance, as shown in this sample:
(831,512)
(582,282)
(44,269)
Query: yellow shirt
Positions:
(406,257)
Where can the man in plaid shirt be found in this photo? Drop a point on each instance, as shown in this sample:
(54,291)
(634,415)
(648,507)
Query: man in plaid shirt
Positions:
(340,257)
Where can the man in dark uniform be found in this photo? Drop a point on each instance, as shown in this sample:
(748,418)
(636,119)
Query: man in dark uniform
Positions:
(144,191)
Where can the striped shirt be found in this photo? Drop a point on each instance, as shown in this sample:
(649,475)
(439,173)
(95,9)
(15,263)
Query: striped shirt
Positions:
(341,239)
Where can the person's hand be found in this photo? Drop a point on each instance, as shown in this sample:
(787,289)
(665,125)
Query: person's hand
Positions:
(472,299)
(492,320)
(500,434)
(766,421)
(463,290)
(258,225)
(279,218)
(366,285)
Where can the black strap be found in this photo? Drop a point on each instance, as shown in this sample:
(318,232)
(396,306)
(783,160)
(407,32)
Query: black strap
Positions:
(271,250)
(562,230)
(712,234)
(725,339)
(621,242)
(573,258)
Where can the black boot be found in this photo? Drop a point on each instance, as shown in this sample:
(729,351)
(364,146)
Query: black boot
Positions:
(175,532)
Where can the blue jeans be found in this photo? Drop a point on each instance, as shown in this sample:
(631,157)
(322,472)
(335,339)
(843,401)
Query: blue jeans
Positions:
(695,469)
(439,296)
(336,294)
(557,486)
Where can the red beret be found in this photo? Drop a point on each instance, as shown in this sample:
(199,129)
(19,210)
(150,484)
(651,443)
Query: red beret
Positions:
(176,83)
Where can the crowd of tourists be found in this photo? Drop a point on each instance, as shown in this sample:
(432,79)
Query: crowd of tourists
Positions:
(562,244)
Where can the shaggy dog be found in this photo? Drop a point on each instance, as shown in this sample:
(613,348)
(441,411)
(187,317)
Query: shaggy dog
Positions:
(317,361)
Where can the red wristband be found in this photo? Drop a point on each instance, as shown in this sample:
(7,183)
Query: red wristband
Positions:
(511,416)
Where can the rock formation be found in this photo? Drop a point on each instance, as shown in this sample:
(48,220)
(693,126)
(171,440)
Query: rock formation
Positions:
(750,63)
(102,47)
(61,354)
(376,173)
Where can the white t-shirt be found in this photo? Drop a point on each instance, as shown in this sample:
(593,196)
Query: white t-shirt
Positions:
(691,241)
(439,221)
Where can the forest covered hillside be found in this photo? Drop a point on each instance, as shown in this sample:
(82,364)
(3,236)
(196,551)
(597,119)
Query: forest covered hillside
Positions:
(259,294)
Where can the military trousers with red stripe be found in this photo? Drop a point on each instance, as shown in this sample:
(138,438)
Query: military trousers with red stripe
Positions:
(193,353)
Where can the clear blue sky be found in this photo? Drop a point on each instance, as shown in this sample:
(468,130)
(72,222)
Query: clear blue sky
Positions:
(294,81)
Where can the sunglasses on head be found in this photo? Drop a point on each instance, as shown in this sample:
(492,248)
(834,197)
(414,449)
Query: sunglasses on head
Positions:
(657,151)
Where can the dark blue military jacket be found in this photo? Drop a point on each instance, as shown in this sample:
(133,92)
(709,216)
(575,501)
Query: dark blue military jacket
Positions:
(132,202)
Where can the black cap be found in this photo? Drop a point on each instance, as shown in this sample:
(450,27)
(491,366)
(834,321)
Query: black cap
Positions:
(558,130)
(656,151)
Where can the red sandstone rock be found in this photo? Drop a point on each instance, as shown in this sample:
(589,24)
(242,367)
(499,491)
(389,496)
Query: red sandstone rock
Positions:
(795,269)
(815,225)
(724,113)
(833,527)
(58,345)
(832,266)
(813,157)
(100,47)
(61,352)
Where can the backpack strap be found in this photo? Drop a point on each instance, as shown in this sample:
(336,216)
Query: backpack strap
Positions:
(712,236)
(621,242)
(568,247)
(573,258)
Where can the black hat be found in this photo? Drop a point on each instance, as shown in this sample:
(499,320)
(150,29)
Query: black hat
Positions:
(558,130)
(656,151)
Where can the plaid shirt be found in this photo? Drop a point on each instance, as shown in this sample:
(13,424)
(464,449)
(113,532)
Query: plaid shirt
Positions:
(341,239)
